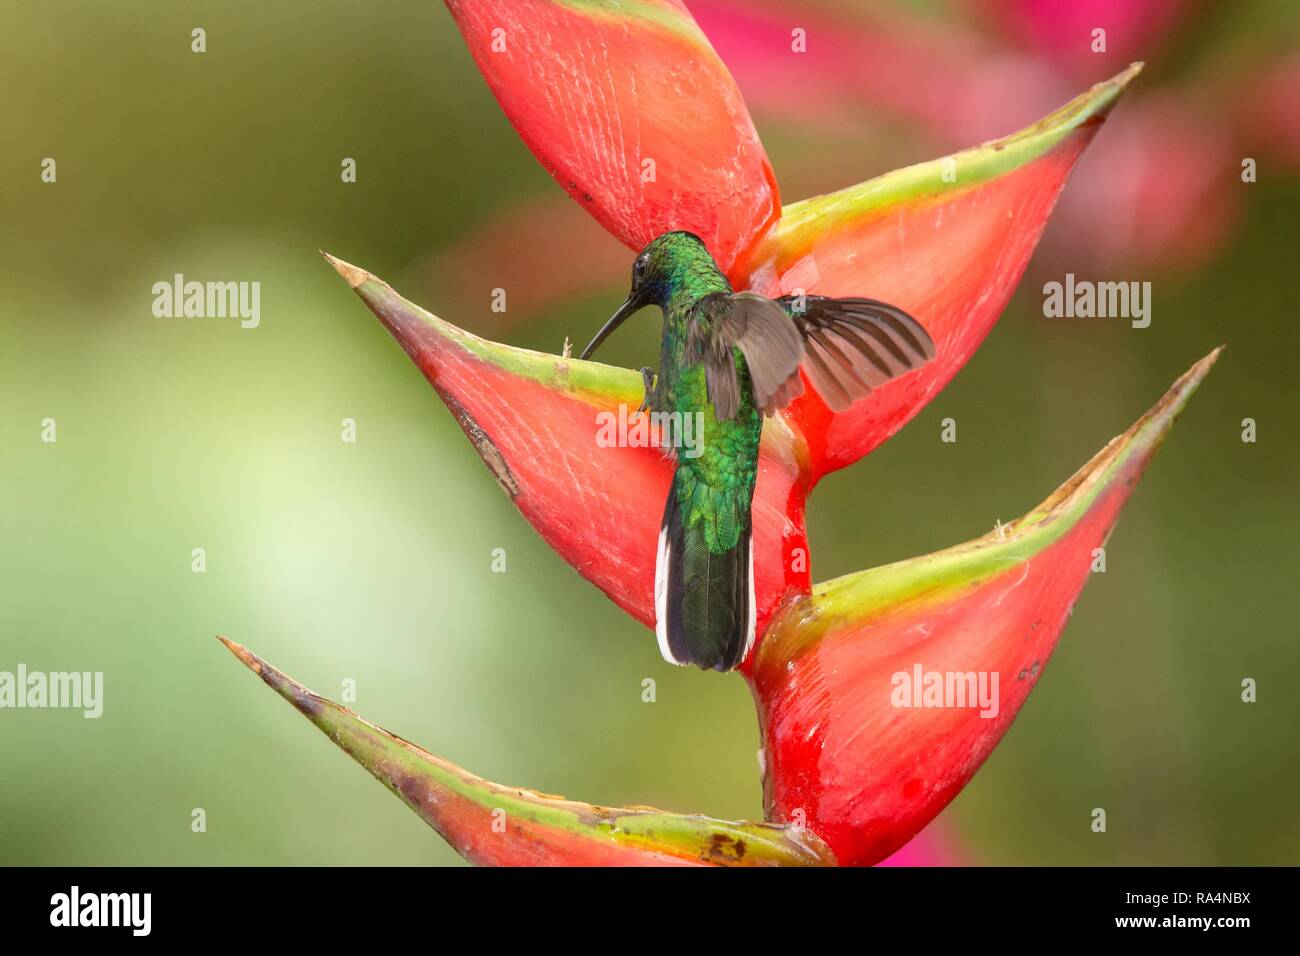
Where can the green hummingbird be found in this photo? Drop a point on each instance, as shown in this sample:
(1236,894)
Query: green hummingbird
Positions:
(731,359)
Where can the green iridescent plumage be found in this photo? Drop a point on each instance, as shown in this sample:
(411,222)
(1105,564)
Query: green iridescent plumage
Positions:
(728,358)
(714,489)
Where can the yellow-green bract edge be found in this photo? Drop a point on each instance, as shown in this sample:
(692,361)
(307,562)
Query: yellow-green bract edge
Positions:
(934,576)
(822,214)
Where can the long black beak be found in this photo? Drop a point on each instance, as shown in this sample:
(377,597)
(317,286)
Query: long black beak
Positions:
(632,304)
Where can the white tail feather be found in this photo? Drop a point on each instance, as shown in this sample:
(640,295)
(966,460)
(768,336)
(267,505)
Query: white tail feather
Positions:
(662,557)
(753,605)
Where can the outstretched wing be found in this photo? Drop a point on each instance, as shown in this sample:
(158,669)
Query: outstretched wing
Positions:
(846,347)
(854,345)
(766,335)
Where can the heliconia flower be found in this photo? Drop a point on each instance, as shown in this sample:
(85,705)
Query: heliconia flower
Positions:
(945,240)
(851,770)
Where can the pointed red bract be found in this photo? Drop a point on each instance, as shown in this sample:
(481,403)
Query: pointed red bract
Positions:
(865,768)
(946,240)
(538,422)
(495,825)
(632,112)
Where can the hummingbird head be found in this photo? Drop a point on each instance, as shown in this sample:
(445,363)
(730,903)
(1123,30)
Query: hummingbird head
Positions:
(656,274)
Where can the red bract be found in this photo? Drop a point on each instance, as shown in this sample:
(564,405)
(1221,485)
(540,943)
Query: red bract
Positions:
(631,111)
(946,241)
(843,756)
(850,775)
(494,825)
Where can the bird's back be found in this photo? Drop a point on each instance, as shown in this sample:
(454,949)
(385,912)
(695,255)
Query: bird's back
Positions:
(704,588)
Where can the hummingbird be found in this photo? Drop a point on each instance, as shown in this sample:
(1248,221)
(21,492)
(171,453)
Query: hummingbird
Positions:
(733,359)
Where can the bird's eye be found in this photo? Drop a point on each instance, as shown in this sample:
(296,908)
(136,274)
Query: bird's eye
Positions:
(639,269)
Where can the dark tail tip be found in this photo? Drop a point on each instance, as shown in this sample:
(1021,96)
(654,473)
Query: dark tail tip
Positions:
(704,603)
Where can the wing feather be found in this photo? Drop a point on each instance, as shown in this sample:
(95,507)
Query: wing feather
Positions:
(854,345)
(766,336)
(846,347)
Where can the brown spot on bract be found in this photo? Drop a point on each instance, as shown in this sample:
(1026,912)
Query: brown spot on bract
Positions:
(484,445)
(723,848)
(308,703)
(411,787)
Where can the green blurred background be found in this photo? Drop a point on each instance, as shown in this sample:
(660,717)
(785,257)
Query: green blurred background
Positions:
(371,561)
